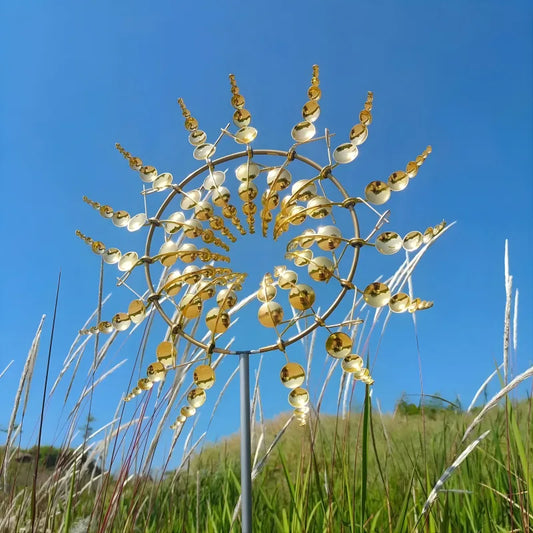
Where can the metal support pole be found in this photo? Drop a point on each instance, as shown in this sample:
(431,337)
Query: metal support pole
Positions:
(246,445)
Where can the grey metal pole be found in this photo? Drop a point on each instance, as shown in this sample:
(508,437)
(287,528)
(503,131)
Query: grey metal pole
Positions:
(246,446)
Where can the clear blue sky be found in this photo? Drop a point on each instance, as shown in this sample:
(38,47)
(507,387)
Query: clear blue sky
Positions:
(77,77)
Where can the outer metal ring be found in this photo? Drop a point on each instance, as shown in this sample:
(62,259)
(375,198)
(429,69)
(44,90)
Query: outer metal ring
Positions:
(319,319)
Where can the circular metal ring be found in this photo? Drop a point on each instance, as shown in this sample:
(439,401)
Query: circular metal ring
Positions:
(346,286)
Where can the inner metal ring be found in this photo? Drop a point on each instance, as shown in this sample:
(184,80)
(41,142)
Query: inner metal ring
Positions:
(345,287)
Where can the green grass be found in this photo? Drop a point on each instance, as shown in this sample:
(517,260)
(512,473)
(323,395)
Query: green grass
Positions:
(320,479)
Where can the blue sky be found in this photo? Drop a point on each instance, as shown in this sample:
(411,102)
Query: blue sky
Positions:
(457,75)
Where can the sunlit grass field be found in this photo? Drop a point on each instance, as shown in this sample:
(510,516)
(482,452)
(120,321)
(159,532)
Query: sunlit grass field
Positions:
(323,477)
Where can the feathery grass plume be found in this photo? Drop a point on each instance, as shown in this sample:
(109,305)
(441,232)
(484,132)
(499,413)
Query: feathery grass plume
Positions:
(450,470)
(23,388)
(6,368)
(496,398)
(507,317)
(482,388)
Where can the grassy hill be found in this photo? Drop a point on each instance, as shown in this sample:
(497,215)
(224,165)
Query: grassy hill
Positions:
(331,475)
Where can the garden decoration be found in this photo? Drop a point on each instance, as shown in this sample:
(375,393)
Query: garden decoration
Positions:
(278,195)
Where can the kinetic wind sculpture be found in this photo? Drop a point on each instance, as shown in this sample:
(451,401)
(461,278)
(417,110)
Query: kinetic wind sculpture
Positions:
(198,222)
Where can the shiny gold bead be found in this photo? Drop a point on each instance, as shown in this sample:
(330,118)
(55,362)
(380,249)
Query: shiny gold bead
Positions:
(181,419)
(311,111)
(302,257)
(226,299)
(242,118)
(358,134)
(156,372)
(197,137)
(270,314)
(303,131)
(204,377)
(216,222)
(249,208)
(136,311)
(120,218)
(398,181)
(301,297)
(389,243)
(247,171)
(221,197)
(191,306)
(148,173)
(320,268)
(297,215)
(106,211)
(215,179)
(412,241)
(247,191)
(269,199)
(414,305)
(319,207)
(298,397)
(136,391)
(162,182)
(352,363)
(428,235)
(111,256)
(285,205)
(304,410)
(187,411)
(307,238)
(362,375)
(205,290)
(329,237)
(188,252)
(204,151)
(196,397)
(203,210)
(345,153)
(292,375)
(287,279)
(229,211)
(166,353)
(411,169)
(217,320)
(377,192)
(175,221)
(137,222)
(145,384)
(266,292)
(278,178)
(191,124)
(365,117)
(121,321)
(246,135)
(399,303)
(314,93)
(168,253)
(173,283)
(338,345)
(238,101)
(98,247)
(377,294)
(105,327)
(190,199)
(128,261)
(303,190)
(135,163)
(191,274)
